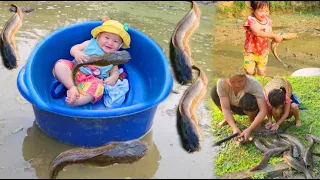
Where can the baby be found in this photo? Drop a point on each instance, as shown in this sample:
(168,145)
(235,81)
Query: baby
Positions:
(109,37)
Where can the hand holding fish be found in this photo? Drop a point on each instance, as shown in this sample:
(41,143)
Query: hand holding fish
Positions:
(278,38)
(275,127)
(80,57)
(275,42)
(268,125)
(245,136)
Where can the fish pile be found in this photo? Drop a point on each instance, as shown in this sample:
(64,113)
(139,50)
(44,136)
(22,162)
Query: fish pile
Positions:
(294,152)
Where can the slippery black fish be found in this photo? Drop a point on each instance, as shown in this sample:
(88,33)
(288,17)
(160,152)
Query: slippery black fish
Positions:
(299,144)
(113,152)
(9,51)
(308,154)
(115,58)
(294,148)
(274,44)
(291,161)
(188,124)
(315,138)
(180,53)
(268,151)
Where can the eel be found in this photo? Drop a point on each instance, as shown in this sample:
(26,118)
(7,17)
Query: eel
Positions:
(115,58)
(111,153)
(183,65)
(188,123)
(267,155)
(287,156)
(9,50)
(25,9)
(299,144)
(267,152)
(180,53)
(308,154)
(274,45)
(315,138)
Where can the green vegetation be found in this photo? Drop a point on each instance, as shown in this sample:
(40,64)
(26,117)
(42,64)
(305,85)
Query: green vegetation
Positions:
(240,8)
(259,175)
(233,158)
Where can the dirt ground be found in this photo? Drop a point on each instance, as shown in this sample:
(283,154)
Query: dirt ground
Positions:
(229,36)
(233,32)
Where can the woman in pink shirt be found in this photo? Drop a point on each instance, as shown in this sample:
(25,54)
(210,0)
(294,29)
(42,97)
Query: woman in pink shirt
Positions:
(258,29)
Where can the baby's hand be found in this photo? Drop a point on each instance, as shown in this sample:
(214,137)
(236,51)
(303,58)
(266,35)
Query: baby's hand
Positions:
(110,81)
(80,57)
(278,38)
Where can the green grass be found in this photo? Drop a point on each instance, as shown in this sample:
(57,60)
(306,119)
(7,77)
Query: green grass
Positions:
(233,158)
(276,7)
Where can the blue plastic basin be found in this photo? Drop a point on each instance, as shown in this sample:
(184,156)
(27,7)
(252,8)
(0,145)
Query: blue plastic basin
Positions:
(94,125)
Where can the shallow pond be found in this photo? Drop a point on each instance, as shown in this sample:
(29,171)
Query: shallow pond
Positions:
(29,152)
(303,52)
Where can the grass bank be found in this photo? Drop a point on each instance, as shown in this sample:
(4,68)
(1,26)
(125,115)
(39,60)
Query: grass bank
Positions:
(233,158)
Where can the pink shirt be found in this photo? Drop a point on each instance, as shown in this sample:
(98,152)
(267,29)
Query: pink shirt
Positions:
(254,44)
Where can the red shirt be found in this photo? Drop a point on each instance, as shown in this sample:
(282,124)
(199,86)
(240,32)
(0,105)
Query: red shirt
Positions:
(254,44)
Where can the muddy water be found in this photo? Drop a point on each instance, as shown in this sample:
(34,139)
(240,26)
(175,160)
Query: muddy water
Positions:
(302,52)
(26,152)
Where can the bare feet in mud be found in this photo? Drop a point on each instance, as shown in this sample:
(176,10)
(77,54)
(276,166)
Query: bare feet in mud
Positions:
(72,95)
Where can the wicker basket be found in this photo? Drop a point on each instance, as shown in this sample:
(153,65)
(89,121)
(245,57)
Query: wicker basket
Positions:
(276,83)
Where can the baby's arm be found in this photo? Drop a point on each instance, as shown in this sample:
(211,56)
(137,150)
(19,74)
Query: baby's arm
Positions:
(283,117)
(114,75)
(76,51)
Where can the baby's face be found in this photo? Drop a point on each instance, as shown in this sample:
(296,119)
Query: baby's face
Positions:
(109,42)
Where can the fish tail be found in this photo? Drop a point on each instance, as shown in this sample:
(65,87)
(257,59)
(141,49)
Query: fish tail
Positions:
(8,56)
(182,69)
(189,134)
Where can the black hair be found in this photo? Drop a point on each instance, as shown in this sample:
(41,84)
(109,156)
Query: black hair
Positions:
(277,97)
(259,4)
(248,102)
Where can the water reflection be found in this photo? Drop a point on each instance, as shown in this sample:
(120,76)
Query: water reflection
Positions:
(156,19)
(40,150)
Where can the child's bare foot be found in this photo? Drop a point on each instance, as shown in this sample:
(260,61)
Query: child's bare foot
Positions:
(222,123)
(72,95)
(298,123)
(268,125)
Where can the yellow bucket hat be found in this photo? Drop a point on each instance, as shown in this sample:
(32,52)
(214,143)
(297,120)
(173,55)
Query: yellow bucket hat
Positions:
(115,27)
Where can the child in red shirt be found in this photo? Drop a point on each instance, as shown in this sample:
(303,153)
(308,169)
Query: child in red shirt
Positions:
(258,29)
